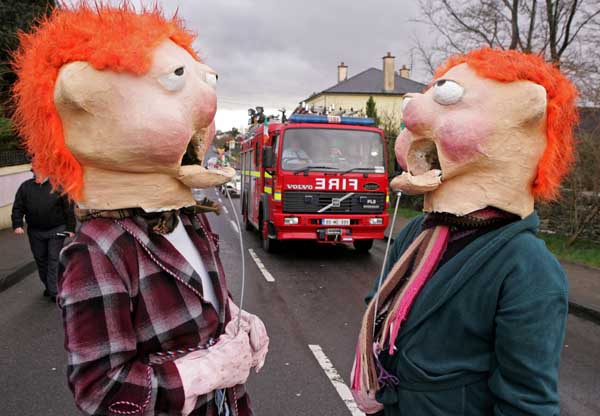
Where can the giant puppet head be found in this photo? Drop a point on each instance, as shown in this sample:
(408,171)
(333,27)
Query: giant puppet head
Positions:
(493,129)
(108,101)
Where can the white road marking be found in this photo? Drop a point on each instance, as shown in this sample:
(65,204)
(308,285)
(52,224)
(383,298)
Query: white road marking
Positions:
(234,225)
(226,210)
(337,381)
(268,276)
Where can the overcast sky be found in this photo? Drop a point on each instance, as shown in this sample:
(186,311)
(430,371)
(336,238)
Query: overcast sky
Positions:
(276,53)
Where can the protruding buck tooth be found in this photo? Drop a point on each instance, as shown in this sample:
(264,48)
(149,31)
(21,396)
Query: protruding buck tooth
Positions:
(198,140)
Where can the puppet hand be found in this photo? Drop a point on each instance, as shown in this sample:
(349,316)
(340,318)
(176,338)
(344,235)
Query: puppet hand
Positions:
(417,185)
(223,365)
(259,340)
(366,402)
(196,176)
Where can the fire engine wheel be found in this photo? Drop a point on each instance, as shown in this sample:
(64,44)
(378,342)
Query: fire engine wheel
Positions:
(247,224)
(363,246)
(270,245)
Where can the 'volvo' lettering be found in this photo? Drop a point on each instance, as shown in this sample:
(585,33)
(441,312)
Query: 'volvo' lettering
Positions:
(299,187)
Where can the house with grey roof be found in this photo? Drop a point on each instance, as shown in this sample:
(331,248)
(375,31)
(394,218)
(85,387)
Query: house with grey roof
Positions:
(349,96)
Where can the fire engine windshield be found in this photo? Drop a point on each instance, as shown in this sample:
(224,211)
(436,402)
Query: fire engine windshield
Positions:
(332,149)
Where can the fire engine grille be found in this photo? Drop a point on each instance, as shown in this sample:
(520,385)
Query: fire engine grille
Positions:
(312,202)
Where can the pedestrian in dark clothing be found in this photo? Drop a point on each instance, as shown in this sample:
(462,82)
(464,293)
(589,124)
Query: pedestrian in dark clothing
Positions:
(50,218)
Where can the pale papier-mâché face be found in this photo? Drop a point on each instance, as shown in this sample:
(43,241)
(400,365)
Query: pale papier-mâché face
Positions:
(130,132)
(472,142)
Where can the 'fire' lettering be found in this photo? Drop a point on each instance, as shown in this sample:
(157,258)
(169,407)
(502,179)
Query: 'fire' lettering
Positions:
(320,184)
(334,184)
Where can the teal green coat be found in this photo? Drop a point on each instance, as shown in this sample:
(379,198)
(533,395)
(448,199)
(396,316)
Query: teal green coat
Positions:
(484,337)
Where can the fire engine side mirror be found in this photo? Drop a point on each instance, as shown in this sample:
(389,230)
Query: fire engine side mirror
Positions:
(268,157)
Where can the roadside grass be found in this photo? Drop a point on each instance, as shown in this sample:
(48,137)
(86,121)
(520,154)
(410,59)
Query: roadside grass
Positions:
(581,252)
(403,212)
(406,212)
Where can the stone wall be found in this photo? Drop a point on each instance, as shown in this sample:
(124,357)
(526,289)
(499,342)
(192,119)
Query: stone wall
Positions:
(13,158)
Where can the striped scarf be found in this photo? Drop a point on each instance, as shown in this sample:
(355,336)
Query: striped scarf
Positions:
(403,284)
(396,296)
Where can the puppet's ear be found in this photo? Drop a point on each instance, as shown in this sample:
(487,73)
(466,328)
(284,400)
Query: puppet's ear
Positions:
(77,84)
(530,103)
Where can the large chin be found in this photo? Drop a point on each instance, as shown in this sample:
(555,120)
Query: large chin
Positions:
(424,170)
(191,172)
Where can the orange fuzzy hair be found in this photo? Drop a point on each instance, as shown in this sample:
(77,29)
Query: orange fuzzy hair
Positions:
(108,38)
(561,110)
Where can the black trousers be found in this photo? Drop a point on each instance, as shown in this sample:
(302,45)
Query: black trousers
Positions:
(46,246)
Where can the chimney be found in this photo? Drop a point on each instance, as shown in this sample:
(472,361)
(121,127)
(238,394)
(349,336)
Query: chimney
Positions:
(404,72)
(342,72)
(389,73)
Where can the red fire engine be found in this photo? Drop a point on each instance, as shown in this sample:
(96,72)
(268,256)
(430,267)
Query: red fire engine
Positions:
(315,177)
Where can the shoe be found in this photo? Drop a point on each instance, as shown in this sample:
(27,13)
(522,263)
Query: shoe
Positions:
(46,293)
(53,298)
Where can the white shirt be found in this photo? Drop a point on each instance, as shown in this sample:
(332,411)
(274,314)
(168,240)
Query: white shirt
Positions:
(182,242)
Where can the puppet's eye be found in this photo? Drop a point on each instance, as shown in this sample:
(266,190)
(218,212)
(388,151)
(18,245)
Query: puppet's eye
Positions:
(446,92)
(173,81)
(407,99)
(211,79)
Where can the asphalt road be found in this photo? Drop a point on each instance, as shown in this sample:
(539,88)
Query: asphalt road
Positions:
(315,300)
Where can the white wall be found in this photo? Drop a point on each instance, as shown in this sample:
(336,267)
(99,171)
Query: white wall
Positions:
(387,105)
(10,179)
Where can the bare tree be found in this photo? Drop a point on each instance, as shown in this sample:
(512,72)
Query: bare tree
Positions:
(564,32)
(390,124)
(581,189)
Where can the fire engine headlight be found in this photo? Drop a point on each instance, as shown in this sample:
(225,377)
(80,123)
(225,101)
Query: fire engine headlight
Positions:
(290,220)
(375,221)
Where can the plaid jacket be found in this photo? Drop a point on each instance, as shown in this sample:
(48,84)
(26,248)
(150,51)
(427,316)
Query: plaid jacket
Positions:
(131,304)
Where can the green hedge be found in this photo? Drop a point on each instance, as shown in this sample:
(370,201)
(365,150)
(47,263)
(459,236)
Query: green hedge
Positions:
(8,138)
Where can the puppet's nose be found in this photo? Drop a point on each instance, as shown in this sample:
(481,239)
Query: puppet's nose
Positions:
(203,95)
(206,75)
(416,115)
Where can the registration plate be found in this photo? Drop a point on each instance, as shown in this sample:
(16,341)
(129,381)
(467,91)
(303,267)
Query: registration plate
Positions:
(335,221)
